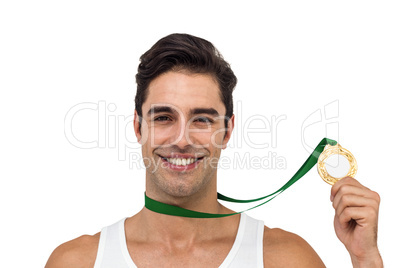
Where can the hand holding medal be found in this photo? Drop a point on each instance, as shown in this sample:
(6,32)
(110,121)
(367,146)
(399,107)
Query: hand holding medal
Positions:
(356,209)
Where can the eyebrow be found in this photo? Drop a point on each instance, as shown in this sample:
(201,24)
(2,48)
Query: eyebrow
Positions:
(210,111)
(167,109)
(160,109)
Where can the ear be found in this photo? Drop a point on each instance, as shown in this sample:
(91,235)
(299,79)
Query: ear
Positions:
(229,131)
(137,127)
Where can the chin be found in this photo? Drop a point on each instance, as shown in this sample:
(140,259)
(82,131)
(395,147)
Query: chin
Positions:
(177,189)
(181,190)
(179,186)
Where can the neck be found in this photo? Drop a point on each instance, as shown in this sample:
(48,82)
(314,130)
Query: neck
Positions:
(178,230)
(189,193)
(173,230)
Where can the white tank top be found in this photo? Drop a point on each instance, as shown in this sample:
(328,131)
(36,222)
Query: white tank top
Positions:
(247,250)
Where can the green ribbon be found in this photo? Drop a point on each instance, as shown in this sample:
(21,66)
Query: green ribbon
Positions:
(167,209)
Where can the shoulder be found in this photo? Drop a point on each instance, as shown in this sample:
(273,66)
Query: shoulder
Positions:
(78,253)
(285,249)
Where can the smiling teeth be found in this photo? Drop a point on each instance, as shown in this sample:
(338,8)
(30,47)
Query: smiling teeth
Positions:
(181,161)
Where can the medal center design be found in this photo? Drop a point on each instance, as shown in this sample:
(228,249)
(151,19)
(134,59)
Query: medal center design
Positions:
(337,166)
(330,164)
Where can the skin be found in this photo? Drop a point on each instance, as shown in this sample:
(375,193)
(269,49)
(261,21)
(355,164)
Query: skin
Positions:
(356,221)
(187,242)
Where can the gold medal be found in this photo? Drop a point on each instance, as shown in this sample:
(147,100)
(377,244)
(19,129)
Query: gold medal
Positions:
(332,150)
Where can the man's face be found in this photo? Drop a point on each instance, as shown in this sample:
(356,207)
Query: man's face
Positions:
(182,132)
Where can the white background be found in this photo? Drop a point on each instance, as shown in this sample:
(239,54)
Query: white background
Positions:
(292,58)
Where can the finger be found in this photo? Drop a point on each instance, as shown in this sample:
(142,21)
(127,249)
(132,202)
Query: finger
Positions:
(345,201)
(347,189)
(361,215)
(345,181)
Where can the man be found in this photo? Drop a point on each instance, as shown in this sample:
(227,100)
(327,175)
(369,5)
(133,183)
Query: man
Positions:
(183,119)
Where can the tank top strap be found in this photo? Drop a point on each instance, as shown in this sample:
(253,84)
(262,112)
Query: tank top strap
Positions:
(247,250)
(112,249)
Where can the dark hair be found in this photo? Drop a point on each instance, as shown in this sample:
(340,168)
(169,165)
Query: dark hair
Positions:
(179,52)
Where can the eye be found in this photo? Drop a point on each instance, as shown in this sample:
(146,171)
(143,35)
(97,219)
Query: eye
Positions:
(162,118)
(203,119)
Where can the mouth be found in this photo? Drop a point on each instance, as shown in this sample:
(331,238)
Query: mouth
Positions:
(181,163)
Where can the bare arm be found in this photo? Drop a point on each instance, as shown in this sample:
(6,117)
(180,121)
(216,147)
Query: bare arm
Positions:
(284,249)
(77,253)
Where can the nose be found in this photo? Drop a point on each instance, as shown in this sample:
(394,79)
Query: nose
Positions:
(181,133)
